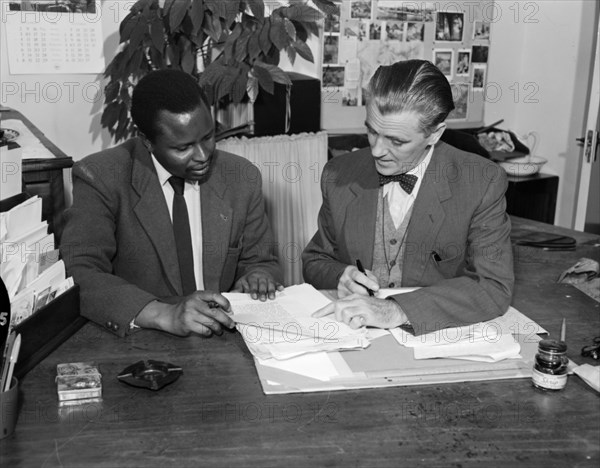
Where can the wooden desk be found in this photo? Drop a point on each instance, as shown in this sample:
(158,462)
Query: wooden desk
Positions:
(217,415)
(44,177)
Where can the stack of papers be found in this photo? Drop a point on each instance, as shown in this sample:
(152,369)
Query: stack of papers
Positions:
(489,341)
(30,268)
(283,328)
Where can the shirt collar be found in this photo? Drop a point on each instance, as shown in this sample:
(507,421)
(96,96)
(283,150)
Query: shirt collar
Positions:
(164,175)
(418,170)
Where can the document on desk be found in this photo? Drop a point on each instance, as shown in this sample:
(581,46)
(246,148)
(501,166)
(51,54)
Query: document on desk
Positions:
(283,328)
(488,341)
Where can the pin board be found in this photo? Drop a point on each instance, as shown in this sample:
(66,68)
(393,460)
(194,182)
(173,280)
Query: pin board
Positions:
(362,35)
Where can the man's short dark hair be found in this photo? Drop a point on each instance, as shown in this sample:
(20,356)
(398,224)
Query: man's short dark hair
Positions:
(171,90)
(412,86)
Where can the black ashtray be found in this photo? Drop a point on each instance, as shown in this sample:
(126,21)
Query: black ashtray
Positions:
(150,374)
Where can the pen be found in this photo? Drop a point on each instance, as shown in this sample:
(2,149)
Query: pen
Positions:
(362,270)
(563,330)
(13,360)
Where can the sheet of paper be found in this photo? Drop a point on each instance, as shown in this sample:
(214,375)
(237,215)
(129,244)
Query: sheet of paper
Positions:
(10,171)
(22,218)
(283,328)
(314,365)
(504,347)
(290,313)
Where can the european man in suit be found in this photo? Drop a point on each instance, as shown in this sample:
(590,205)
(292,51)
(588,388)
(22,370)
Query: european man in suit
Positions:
(416,212)
(163,222)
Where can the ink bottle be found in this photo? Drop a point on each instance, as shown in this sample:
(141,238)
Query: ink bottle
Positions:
(550,368)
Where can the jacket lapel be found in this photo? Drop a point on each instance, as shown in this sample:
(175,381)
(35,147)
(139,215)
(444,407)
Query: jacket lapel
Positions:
(361,215)
(427,218)
(153,215)
(217,219)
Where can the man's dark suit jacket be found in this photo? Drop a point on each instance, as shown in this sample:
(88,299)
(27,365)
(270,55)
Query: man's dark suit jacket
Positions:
(118,242)
(459,213)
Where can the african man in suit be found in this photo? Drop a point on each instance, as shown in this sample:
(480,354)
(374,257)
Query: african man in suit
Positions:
(164,222)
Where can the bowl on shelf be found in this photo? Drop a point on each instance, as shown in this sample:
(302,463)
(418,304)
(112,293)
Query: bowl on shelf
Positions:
(525,166)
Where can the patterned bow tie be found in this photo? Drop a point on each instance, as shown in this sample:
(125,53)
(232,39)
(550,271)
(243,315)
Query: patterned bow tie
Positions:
(407,181)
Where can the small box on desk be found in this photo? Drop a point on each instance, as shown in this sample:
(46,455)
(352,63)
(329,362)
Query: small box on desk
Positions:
(47,329)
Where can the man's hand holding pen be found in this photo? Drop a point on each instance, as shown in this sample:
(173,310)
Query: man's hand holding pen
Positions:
(353,281)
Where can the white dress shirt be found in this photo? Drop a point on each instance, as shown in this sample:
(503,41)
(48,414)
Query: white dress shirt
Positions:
(191,193)
(399,201)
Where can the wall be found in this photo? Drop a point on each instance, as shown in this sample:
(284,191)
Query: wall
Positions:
(542,46)
(65,107)
(543,49)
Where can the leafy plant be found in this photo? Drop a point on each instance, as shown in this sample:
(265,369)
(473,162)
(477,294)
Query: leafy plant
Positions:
(230,46)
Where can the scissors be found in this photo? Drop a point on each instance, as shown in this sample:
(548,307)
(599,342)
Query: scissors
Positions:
(592,350)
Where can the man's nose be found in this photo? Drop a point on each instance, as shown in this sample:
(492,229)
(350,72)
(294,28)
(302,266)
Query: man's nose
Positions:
(378,147)
(200,153)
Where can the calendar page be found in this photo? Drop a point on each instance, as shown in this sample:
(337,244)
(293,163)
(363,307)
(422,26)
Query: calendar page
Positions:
(53,36)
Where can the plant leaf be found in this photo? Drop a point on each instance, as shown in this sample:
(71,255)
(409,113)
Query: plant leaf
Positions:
(278,34)
(157,33)
(239,87)
(253,47)
(326,6)
(177,12)
(257,7)
(188,56)
(127,26)
(276,73)
(301,32)
(311,27)
(301,12)
(197,15)
(304,51)
(290,29)
(265,80)
(230,42)
(291,53)
(241,46)
(263,38)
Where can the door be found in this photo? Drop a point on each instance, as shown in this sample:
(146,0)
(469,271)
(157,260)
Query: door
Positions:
(587,210)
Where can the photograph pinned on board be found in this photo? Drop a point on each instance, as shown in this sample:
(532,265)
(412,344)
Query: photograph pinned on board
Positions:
(442,58)
(363,30)
(479,72)
(449,27)
(463,62)
(332,21)
(55,6)
(333,77)
(375,31)
(460,94)
(479,54)
(350,97)
(481,30)
(414,32)
(394,31)
(331,49)
(351,29)
(408,11)
(360,9)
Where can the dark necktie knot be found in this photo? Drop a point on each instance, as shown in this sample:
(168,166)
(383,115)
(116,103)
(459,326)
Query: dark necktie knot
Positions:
(177,183)
(407,181)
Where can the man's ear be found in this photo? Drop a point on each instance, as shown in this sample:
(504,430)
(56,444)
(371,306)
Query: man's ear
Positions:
(435,136)
(145,141)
